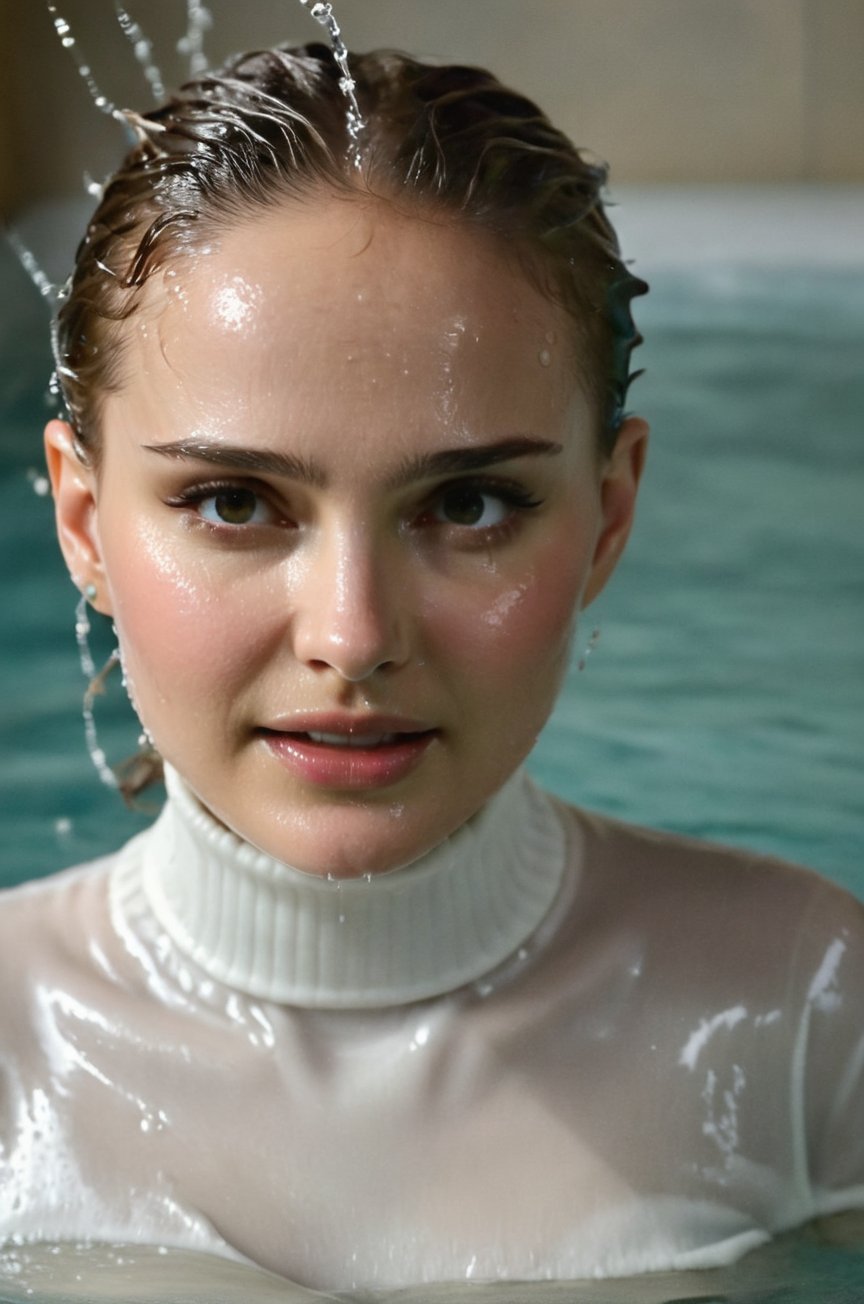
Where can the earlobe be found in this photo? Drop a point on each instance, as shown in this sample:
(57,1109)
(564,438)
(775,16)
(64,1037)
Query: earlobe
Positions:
(618,491)
(73,485)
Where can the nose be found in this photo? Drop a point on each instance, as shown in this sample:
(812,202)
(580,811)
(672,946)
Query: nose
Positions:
(351,616)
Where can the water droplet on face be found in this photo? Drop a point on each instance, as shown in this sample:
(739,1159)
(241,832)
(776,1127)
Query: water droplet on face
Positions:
(544,357)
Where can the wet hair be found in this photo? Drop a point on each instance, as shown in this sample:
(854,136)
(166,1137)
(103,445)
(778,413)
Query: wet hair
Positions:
(270,127)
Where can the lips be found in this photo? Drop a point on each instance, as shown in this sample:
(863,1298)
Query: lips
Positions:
(350,752)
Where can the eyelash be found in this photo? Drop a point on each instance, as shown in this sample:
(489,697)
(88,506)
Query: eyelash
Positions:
(510,493)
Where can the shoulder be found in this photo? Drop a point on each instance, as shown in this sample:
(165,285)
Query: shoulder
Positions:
(712,903)
(46,924)
(43,896)
(673,862)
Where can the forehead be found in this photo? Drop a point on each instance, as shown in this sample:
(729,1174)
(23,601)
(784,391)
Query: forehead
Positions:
(332,301)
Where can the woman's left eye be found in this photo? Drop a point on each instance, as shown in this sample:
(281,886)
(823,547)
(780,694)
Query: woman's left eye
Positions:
(480,506)
(234,506)
(468,505)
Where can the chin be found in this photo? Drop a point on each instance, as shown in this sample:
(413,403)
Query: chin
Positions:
(347,842)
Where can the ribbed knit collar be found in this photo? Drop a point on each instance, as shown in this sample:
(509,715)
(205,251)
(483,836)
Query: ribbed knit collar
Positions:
(274,932)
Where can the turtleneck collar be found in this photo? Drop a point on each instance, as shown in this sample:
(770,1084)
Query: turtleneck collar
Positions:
(274,932)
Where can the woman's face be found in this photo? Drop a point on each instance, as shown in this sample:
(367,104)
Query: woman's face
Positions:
(348,508)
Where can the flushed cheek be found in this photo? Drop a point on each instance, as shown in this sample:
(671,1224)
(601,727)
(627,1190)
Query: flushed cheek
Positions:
(522,629)
(185,638)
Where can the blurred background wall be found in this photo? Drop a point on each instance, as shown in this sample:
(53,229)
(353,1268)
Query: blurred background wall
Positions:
(669,90)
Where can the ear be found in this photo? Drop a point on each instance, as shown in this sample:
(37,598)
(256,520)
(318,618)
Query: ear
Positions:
(619,486)
(74,486)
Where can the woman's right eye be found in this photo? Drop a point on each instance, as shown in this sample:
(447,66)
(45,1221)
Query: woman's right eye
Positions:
(235,506)
(227,505)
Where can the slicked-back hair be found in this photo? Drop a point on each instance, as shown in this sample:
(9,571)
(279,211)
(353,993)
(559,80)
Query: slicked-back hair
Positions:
(270,127)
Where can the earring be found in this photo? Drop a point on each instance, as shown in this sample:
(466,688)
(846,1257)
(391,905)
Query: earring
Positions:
(137,772)
(589,648)
(96,684)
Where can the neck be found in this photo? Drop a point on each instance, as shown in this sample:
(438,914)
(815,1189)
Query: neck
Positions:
(272,931)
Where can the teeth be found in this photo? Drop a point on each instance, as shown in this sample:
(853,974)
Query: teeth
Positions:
(352,740)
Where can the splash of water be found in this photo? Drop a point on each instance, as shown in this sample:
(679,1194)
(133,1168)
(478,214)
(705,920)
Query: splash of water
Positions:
(70,43)
(198,21)
(27,259)
(142,48)
(323,14)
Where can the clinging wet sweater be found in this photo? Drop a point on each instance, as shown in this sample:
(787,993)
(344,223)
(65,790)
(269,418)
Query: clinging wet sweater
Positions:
(555,1046)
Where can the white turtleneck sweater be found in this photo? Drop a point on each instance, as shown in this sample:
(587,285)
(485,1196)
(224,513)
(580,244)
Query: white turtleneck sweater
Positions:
(554,1047)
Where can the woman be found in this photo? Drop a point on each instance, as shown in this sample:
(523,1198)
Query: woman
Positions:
(346,457)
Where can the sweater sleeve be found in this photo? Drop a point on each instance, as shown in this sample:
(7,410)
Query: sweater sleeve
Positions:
(828,1054)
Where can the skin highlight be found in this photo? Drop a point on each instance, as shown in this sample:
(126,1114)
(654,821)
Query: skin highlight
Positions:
(369,569)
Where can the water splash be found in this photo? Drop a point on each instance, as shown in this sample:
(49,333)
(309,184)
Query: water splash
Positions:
(38,482)
(323,14)
(28,261)
(589,648)
(70,43)
(198,21)
(142,48)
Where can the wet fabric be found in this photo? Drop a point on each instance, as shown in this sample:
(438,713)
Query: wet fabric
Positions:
(663,1074)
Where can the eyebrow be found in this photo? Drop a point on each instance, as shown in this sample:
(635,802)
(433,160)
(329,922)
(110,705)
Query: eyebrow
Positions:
(452,461)
(446,461)
(241,459)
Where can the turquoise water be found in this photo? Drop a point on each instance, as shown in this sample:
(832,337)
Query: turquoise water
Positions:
(725,698)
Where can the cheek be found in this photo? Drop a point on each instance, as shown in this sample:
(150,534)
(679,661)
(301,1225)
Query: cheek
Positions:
(181,628)
(517,631)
